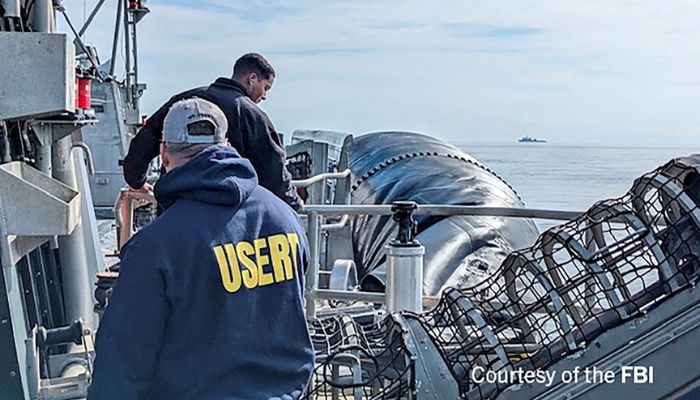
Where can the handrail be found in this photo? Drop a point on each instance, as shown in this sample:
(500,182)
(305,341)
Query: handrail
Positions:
(87,156)
(301,183)
(370,297)
(124,211)
(442,210)
(336,225)
(317,212)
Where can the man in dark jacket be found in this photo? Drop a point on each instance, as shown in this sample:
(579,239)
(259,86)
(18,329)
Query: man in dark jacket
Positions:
(250,130)
(209,299)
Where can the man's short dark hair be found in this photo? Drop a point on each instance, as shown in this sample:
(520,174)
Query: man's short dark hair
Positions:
(187,150)
(253,62)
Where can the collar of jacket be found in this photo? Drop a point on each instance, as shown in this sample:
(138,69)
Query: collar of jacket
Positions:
(230,84)
(217,175)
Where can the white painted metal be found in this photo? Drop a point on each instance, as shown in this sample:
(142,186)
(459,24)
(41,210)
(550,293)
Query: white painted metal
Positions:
(404,286)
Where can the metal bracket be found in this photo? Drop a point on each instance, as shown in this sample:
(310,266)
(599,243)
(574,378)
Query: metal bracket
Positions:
(75,372)
(403,214)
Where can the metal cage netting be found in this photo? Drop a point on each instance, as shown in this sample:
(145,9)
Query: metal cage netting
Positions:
(614,262)
(357,360)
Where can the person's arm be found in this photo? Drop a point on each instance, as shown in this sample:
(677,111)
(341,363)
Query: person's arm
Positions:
(145,146)
(131,331)
(266,153)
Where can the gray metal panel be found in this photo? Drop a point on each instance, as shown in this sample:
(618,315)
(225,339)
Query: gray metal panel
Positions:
(108,141)
(334,140)
(105,187)
(93,251)
(319,165)
(37,74)
(434,381)
(318,153)
(10,381)
(13,330)
(666,338)
(20,246)
(34,204)
(12,8)
(340,241)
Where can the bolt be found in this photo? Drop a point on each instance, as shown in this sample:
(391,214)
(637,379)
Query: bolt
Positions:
(13,373)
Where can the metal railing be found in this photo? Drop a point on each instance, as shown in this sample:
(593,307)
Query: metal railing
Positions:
(124,211)
(443,210)
(315,213)
(302,183)
(322,179)
(124,214)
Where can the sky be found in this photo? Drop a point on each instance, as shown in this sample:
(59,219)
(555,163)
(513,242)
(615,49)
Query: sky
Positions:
(572,72)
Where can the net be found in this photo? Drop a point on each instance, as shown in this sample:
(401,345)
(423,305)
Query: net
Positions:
(613,263)
(360,360)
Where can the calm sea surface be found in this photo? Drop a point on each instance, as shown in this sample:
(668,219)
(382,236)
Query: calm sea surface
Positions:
(570,178)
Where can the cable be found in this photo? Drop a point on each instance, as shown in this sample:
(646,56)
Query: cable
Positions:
(82,45)
(84,18)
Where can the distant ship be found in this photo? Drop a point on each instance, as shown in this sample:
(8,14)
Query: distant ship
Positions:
(528,139)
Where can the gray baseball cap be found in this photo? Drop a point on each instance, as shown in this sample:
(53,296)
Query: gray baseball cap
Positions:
(180,124)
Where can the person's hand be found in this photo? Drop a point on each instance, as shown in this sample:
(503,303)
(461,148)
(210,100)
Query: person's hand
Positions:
(145,188)
(143,195)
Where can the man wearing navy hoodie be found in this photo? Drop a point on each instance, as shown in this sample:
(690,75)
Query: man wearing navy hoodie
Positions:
(209,300)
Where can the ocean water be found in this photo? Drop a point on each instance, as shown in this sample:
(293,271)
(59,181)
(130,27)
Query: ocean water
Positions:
(571,178)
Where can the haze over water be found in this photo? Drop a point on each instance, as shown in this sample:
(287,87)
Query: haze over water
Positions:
(566,177)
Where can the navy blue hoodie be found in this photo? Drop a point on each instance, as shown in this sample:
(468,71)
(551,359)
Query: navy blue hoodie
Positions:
(209,300)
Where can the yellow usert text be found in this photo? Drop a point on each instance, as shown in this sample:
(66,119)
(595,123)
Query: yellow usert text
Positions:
(263,262)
